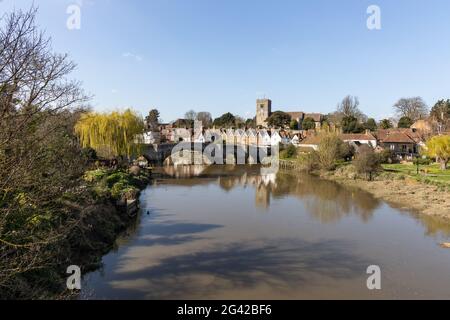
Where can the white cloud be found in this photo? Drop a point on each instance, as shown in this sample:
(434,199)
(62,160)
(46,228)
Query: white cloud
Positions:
(133,56)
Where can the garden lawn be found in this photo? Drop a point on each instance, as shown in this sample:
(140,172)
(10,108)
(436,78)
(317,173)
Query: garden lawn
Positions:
(430,172)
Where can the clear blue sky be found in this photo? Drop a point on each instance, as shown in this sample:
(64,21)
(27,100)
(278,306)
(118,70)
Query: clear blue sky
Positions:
(220,55)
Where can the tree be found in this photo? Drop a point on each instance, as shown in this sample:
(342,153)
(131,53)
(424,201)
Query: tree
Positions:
(113,134)
(289,153)
(413,108)
(293,125)
(439,147)
(441,112)
(279,119)
(405,123)
(335,117)
(226,120)
(152,120)
(205,118)
(386,124)
(250,123)
(239,122)
(351,125)
(190,115)
(308,124)
(347,151)
(183,123)
(367,162)
(370,124)
(330,148)
(40,159)
(349,107)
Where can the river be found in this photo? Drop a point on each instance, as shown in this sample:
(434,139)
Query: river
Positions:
(231,232)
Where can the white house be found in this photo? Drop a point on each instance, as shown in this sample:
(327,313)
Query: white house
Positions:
(231,138)
(241,136)
(359,139)
(151,137)
(182,134)
(275,138)
(286,138)
(252,137)
(223,134)
(213,135)
(200,138)
(295,140)
(264,138)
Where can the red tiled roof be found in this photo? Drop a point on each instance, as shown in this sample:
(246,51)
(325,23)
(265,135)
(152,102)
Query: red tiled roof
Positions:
(357,136)
(311,140)
(395,136)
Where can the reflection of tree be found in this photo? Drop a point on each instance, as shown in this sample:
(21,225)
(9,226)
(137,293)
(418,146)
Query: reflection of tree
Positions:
(228,183)
(262,199)
(435,225)
(325,200)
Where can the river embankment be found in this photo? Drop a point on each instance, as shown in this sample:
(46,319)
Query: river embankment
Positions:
(398,190)
(92,215)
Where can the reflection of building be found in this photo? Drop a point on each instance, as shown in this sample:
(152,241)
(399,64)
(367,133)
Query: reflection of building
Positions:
(325,201)
(262,197)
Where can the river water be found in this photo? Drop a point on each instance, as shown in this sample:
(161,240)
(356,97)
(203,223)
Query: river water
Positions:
(231,232)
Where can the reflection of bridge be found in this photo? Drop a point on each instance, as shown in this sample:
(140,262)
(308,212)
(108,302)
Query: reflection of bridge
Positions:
(210,153)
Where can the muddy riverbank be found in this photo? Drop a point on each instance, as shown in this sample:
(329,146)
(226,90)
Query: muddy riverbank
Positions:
(403,193)
(398,190)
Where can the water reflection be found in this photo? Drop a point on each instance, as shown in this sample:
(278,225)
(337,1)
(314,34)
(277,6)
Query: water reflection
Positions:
(230,232)
(326,201)
(283,265)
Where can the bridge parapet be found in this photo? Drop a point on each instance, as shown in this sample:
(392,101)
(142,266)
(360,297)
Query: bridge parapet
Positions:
(206,153)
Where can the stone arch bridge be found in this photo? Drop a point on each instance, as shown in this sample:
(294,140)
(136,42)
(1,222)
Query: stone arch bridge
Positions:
(208,153)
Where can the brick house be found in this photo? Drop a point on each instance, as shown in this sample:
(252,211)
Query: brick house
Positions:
(403,143)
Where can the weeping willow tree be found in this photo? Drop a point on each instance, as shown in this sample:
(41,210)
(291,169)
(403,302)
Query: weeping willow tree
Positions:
(111,134)
(439,147)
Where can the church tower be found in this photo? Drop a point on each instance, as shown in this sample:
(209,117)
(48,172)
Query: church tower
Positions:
(263,111)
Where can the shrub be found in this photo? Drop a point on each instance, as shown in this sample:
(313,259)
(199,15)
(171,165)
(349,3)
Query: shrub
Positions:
(386,156)
(95,175)
(116,177)
(367,162)
(348,172)
(329,151)
(347,151)
(422,161)
(309,161)
(289,153)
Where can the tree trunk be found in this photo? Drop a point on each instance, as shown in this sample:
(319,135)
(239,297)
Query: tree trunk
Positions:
(444,164)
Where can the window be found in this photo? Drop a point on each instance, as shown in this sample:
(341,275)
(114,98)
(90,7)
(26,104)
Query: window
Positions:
(392,147)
